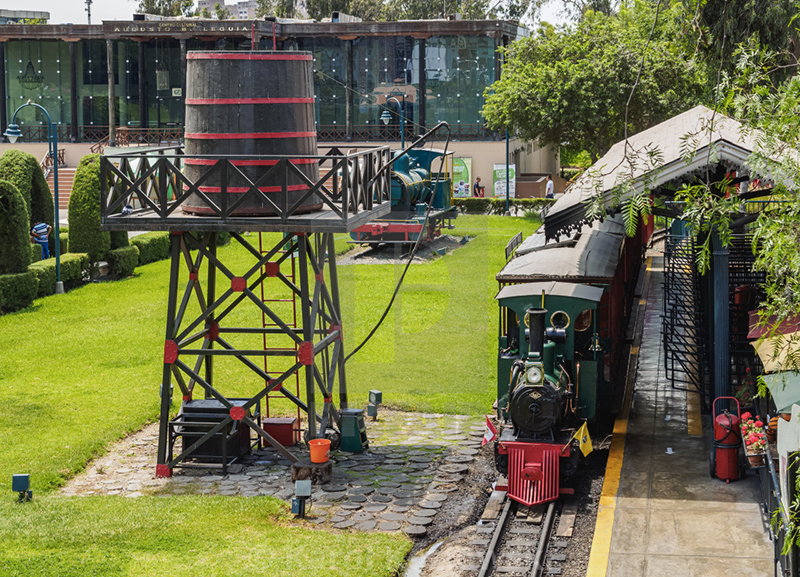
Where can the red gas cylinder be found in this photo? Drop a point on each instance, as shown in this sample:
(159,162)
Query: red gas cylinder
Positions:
(727,440)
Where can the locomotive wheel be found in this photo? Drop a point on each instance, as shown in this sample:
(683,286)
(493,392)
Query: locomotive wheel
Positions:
(500,462)
(712,462)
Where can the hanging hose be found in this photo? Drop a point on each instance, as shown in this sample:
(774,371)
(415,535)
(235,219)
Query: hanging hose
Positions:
(419,236)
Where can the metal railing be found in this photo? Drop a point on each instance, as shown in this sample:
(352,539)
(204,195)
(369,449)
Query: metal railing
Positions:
(127,136)
(153,183)
(47,162)
(381,133)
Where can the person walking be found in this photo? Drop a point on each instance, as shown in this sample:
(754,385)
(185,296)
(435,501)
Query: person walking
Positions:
(39,234)
(550,188)
(477,189)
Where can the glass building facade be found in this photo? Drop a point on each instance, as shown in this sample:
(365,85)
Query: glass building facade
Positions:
(429,79)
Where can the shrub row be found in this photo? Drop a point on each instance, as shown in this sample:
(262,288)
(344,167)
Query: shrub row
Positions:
(17,291)
(152,246)
(498,205)
(122,261)
(73,266)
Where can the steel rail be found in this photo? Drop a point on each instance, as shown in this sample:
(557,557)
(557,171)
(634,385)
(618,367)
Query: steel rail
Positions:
(544,536)
(498,532)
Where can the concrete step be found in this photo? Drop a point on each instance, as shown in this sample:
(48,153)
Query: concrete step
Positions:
(66,176)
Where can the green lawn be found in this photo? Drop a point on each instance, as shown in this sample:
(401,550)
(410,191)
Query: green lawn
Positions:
(182,536)
(78,371)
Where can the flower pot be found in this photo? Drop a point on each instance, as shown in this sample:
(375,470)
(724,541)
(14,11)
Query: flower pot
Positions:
(756,460)
(786,416)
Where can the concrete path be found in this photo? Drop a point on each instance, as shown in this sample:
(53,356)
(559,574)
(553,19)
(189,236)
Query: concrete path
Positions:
(671,518)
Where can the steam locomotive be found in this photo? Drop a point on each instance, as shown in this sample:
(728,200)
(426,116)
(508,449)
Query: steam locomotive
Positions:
(564,307)
(419,180)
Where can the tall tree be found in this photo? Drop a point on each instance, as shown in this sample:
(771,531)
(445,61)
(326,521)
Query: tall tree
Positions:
(167,7)
(571,85)
(221,13)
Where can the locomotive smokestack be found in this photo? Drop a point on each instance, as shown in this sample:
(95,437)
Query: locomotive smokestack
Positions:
(536,330)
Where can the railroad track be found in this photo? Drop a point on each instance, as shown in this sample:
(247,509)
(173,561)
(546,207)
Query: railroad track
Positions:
(518,544)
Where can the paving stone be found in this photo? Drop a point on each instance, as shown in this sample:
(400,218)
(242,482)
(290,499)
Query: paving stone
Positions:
(331,488)
(417,474)
(430,504)
(417,466)
(361,482)
(468,452)
(454,438)
(394,462)
(361,516)
(436,497)
(393,517)
(392,467)
(386,490)
(338,519)
(421,459)
(408,494)
(350,505)
(382,498)
(399,508)
(389,526)
(459,459)
(415,530)
(425,512)
(357,498)
(420,520)
(375,507)
(344,524)
(454,468)
(338,496)
(366,490)
(446,488)
(366,526)
(406,502)
(392,484)
(364,468)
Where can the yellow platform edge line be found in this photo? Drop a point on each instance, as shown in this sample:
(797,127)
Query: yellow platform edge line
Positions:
(604,524)
(694,422)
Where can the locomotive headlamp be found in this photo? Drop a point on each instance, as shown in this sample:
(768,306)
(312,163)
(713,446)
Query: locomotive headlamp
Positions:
(534,374)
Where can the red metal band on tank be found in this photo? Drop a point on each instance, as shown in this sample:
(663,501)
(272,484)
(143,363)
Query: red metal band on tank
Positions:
(204,101)
(211,162)
(245,56)
(243,189)
(247,135)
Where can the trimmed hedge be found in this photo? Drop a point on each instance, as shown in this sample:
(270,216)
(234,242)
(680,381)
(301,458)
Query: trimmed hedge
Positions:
(72,267)
(498,205)
(122,261)
(119,238)
(84,211)
(15,238)
(17,291)
(36,252)
(152,246)
(64,237)
(23,171)
(223,237)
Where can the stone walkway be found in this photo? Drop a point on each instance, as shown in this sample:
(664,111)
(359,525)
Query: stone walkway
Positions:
(414,465)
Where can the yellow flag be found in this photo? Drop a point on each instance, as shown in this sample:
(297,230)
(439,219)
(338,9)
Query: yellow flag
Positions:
(584,440)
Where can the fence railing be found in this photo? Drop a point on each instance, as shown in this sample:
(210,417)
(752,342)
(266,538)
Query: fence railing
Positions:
(153,183)
(391,133)
(47,162)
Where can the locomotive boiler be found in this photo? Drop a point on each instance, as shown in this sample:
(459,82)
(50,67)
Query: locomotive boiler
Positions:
(422,199)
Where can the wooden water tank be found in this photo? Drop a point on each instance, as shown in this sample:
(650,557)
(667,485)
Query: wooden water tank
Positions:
(250,104)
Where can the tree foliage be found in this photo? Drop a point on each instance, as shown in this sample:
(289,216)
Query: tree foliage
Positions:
(221,12)
(167,7)
(24,172)
(571,86)
(15,252)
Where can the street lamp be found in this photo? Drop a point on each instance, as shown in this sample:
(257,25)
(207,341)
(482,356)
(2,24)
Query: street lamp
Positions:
(386,117)
(13,133)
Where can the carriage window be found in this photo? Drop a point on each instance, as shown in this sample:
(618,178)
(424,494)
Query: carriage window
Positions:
(512,329)
(584,321)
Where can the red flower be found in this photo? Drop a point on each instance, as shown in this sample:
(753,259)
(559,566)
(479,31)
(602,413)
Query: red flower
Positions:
(760,435)
(746,416)
(752,438)
(759,424)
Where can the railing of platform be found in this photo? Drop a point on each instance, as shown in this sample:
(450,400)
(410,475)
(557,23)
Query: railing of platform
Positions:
(154,185)
(778,522)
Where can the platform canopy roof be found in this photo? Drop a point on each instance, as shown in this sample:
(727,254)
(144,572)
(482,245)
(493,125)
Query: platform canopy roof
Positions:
(656,157)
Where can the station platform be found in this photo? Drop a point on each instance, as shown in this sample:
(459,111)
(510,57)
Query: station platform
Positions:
(661,514)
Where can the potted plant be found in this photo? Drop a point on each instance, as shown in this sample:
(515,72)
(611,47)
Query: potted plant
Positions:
(745,393)
(755,442)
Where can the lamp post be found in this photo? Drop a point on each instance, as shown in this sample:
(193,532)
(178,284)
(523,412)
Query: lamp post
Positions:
(13,133)
(386,117)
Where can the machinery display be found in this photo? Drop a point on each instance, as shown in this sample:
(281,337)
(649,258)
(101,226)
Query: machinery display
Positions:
(563,311)
(421,196)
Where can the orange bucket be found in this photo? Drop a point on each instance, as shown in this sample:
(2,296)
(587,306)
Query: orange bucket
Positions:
(320,450)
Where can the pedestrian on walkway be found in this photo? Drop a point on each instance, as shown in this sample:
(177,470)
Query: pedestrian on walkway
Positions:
(40,235)
(550,189)
(477,189)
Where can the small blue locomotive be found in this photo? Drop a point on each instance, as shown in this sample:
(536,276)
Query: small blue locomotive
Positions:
(419,180)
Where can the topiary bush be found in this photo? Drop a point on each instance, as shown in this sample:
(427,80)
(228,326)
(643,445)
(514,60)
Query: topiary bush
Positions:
(119,238)
(122,261)
(36,253)
(64,238)
(23,171)
(152,246)
(498,205)
(84,212)
(17,291)
(15,238)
